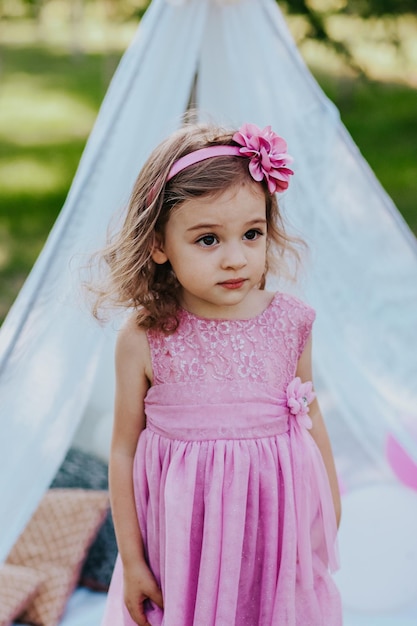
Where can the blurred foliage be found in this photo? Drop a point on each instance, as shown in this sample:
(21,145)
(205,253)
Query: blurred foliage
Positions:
(49,102)
(368,8)
(317,13)
(120,9)
(313,9)
(362,8)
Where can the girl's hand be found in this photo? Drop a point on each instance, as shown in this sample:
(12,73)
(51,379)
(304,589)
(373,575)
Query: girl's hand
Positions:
(139,586)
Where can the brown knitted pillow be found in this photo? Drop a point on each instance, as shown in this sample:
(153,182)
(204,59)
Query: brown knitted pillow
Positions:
(55,543)
(17,587)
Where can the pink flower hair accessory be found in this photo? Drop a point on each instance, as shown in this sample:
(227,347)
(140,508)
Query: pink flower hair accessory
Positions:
(268,155)
(299,397)
(266,151)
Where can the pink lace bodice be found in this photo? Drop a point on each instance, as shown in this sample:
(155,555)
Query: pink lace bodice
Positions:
(264,349)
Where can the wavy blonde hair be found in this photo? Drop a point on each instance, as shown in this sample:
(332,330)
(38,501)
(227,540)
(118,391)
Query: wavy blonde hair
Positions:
(133,279)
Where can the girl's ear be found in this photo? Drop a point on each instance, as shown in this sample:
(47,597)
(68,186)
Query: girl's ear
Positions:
(158,255)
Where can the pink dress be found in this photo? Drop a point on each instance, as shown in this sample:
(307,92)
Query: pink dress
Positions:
(232,496)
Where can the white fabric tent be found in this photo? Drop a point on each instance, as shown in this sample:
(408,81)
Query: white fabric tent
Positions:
(361,276)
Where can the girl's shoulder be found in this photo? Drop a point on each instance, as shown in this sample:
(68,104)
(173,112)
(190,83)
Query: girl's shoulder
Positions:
(132,345)
(131,331)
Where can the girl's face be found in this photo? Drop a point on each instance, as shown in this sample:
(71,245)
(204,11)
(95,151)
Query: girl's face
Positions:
(216,246)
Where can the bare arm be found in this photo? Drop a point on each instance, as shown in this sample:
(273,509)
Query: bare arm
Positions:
(132,381)
(319,431)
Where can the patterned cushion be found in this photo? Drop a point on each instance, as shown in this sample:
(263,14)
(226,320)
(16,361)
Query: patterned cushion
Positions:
(55,543)
(18,585)
(85,471)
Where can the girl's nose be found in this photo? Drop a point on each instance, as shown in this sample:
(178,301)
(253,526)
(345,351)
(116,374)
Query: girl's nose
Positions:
(234,256)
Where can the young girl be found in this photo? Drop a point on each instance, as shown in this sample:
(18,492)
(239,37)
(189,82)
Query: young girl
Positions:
(223,485)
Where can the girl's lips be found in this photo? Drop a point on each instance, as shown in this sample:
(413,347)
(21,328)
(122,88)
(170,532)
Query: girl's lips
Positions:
(233,284)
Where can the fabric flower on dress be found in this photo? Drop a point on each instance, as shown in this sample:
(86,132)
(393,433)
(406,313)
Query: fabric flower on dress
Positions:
(299,396)
(268,155)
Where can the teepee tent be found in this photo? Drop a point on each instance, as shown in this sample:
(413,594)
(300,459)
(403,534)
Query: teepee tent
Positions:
(238,62)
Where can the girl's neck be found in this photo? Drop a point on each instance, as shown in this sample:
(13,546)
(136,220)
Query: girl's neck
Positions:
(257,301)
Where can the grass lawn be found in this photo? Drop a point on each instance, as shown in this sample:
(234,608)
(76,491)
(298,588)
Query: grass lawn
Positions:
(50,93)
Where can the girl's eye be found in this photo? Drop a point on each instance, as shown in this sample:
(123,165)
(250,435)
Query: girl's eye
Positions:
(207,241)
(253,234)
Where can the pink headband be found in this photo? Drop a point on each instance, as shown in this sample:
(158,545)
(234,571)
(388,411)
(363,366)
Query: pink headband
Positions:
(266,151)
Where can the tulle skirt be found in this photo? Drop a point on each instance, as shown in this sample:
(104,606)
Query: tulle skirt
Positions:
(238,531)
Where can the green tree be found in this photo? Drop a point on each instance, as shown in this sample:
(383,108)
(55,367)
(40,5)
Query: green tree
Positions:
(319,12)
